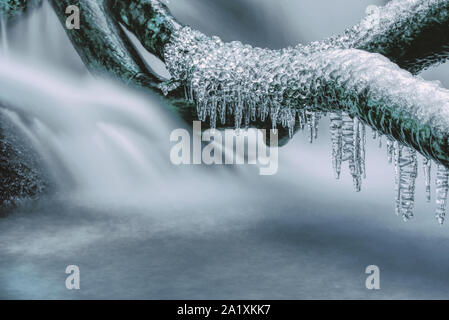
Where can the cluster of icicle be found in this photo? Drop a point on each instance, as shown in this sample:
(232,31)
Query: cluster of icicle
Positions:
(255,84)
(235,79)
(348,137)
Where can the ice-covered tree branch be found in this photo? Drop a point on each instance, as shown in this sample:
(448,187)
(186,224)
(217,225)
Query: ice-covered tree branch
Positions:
(256,83)
(413,34)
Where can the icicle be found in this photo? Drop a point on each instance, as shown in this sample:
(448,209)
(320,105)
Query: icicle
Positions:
(213,113)
(238,112)
(291,121)
(274,113)
(397,177)
(253,110)
(310,124)
(302,119)
(406,180)
(355,162)
(247,115)
(362,149)
(316,120)
(352,149)
(390,150)
(251,84)
(336,137)
(347,136)
(192,95)
(427,163)
(441,192)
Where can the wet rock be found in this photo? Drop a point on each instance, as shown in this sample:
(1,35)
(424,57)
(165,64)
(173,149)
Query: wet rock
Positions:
(20,175)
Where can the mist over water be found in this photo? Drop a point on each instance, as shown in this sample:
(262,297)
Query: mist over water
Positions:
(140,227)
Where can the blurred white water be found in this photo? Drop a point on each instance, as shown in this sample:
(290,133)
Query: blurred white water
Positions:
(94,129)
(100,141)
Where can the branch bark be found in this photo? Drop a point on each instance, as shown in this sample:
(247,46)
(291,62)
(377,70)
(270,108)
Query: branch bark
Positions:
(102,44)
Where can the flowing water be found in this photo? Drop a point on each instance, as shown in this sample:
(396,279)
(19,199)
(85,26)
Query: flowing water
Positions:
(140,227)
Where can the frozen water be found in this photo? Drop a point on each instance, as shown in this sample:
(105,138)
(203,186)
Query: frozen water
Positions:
(407,173)
(442,190)
(252,83)
(427,165)
(290,86)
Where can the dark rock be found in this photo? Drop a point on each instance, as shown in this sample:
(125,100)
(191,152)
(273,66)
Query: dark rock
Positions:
(20,173)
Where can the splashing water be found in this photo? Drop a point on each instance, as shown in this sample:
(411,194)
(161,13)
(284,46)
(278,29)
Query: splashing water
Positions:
(96,138)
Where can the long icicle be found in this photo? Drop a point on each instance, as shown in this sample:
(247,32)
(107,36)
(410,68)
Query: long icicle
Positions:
(336,137)
(441,192)
(427,165)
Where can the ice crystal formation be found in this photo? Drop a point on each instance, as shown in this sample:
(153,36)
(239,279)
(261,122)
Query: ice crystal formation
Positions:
(348,140)
(289,86)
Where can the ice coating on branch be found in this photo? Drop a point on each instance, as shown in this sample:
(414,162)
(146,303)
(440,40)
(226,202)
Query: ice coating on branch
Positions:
(289,86)
(253,83)
(232,78)
(396,31)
